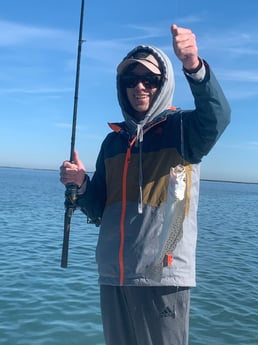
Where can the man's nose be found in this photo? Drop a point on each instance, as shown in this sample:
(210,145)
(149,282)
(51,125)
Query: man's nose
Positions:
(140,85)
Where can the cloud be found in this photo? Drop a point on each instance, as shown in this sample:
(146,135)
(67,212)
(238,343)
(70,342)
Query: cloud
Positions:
(253,144)
(248,145)
(15,34)
(243,51)
(145,31)
(241,94)
(188,20)
(240,75)
(237,43)
(63,125)
(35,90)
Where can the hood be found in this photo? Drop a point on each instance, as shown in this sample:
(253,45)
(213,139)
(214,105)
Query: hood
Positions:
(162,101)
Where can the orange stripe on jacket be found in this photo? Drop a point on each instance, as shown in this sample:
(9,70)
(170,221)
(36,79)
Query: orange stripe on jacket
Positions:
(122,220)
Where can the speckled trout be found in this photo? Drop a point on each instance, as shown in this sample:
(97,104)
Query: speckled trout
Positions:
(174,214)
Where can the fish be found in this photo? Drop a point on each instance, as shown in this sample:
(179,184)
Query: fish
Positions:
(174,214)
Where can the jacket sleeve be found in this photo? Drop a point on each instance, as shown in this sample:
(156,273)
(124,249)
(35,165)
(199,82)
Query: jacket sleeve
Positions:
(203,126)
(92,202)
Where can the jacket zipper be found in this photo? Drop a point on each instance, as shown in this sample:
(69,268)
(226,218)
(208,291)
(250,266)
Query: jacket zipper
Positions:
(123,213)
(117,129)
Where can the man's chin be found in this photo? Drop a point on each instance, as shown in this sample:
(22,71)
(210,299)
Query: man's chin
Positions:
(139,115)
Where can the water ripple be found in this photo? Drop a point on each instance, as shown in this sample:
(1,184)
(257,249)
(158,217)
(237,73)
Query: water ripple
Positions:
(43,304)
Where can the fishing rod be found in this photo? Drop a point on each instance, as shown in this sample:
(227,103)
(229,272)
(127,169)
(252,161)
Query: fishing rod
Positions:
(72,189)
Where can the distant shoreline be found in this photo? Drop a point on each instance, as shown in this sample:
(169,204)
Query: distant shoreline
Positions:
(227,181)
(202,179)
(22,168)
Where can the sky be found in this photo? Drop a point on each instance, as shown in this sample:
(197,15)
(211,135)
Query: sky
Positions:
(38,52)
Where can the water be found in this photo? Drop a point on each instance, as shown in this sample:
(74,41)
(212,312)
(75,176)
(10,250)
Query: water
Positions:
(43,304)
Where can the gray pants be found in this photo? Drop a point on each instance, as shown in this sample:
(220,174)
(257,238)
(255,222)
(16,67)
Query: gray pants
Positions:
(145,315)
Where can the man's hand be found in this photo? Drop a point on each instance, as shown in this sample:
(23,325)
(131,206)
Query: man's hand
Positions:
(185,47)
(73,172)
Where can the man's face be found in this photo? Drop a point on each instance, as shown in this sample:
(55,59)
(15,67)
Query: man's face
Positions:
(140,95)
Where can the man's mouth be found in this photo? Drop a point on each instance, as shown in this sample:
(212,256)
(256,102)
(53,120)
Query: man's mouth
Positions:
(140,96)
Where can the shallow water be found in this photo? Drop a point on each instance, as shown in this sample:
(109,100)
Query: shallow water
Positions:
(43,304)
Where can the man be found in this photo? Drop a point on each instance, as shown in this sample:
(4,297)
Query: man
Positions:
(145,194)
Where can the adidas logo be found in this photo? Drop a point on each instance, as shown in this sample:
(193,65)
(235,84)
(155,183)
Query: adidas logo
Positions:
(167,312)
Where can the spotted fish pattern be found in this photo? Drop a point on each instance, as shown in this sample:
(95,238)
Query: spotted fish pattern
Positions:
(174,214)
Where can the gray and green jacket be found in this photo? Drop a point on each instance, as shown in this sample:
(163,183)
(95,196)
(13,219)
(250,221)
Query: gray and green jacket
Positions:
(128,193)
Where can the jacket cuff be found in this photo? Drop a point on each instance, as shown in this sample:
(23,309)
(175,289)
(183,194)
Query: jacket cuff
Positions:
(83,187)
(198,74)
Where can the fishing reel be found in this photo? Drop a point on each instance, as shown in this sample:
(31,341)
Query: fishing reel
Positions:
(71,194)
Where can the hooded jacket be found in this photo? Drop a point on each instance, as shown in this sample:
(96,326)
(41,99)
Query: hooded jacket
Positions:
(145,189)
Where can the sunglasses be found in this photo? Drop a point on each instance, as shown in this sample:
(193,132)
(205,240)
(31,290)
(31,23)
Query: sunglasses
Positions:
(149,81)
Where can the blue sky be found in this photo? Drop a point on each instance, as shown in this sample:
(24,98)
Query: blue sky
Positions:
(38,43)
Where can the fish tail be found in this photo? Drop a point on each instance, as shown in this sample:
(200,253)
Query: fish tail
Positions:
(154,272)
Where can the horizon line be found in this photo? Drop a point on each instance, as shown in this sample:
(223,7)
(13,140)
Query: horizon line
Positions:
(91,172)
